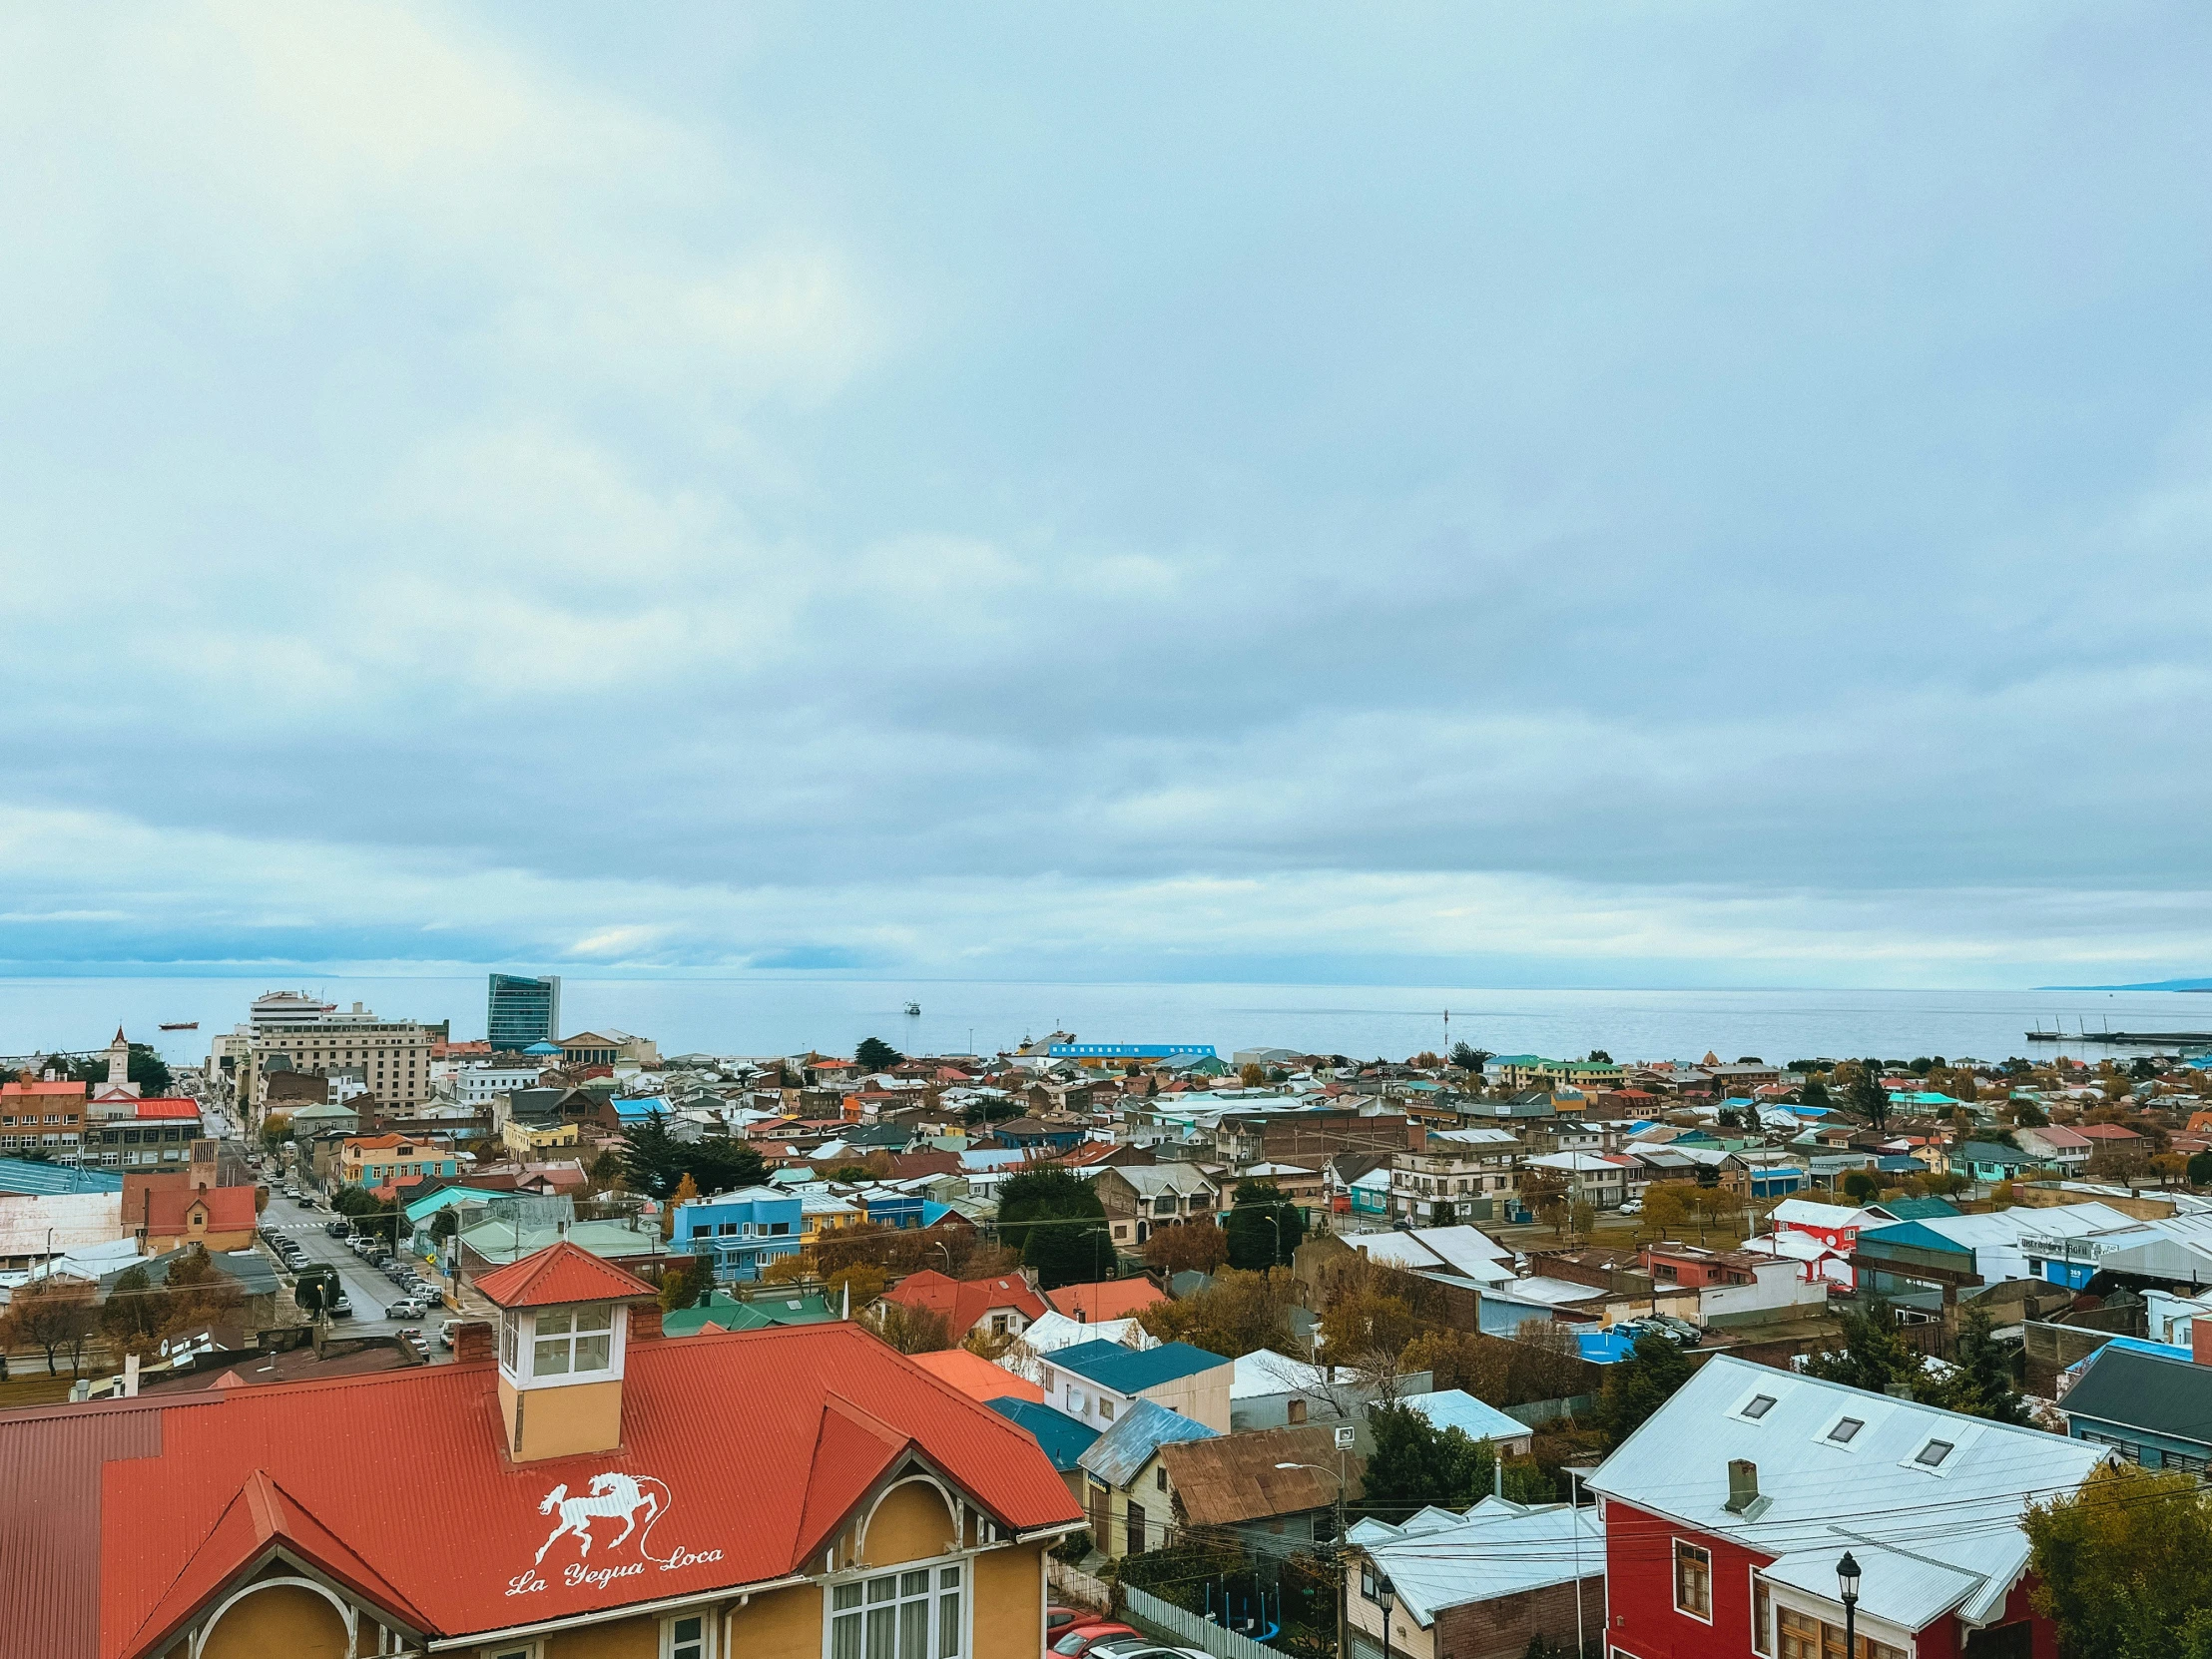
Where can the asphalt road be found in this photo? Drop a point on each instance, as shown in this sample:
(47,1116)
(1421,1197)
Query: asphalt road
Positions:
(366,1289)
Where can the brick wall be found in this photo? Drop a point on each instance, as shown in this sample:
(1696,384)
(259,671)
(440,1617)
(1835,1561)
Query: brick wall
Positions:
(1502,1629)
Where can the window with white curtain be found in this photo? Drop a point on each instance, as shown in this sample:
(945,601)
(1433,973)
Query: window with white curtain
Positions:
(910,1614)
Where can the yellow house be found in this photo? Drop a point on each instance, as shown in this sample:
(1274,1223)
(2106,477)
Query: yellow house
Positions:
(527,1140)
(559,1494)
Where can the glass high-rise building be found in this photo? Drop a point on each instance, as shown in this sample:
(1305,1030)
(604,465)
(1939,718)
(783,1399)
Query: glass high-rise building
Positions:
(520,1011)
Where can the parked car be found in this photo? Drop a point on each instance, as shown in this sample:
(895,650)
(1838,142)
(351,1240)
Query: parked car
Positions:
(340,1307)
(1634,1206)
(291,1190)
(1682,1331)
(445,1332)
(409,1310)
(339,1229)
(1076,1640)
(1058,1618)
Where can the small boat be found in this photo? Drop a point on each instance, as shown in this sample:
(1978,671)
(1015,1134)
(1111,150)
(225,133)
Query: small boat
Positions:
(180,1026)
(913,1008)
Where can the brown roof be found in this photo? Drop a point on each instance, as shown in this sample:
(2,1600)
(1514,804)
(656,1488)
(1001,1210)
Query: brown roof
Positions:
(1233,1477)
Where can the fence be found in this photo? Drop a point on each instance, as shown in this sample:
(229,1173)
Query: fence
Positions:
(1538,1413)
(1078,1586)
(1172,1623)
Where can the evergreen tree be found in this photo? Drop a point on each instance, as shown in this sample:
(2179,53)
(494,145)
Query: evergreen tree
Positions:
(1868,1097)
(1054,1219)
(1874,1355)
(650,1156)
(1264,1227)
(1640,1385)
(875,1055)
(1415,1465)
(1981,1386)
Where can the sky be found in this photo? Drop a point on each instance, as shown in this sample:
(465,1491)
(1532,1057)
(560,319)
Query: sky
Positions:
(1595,495)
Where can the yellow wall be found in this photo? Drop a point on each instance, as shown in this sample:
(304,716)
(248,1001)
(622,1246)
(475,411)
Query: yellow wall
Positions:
(621,1639)
(1009,1603)
(911,1524)
(296,1623)
(561,1422)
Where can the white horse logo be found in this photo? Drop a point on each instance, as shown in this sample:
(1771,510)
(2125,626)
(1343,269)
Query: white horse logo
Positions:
(611,1495)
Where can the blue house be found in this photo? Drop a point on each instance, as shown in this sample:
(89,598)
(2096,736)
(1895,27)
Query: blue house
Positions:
(741,1231)
(895,1209)
(2155,1410)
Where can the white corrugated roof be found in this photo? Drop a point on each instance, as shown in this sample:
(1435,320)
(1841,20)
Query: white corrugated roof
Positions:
(1949,1537)
(1438,1560)
(1457,1408)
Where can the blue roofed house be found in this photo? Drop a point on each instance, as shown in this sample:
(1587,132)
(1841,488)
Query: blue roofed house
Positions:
(1127,1492)
(1099,1383)
(741,1231)
(1062,1439)
(2153,1409)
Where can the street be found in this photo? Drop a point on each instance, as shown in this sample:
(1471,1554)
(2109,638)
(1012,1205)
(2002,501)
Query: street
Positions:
(368,1290)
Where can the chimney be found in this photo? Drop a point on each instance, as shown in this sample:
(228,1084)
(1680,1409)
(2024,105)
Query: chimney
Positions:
(645,1321)
(472,1342)
(1742,1484)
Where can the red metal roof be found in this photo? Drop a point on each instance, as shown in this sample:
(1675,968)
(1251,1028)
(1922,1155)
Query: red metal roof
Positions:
(76,1089)
(169,1209)
(816,1415)
(976,1377)
(169,1106)
(964,1301)
(560,1272)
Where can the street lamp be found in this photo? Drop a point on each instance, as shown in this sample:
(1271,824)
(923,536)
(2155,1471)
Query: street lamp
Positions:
(1337,1554)
(1846,1579)
(1385,1595)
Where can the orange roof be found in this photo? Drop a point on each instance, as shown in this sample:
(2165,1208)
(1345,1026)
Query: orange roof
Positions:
(560,1272)
(177,1496)
(76,1089)
(1110,1299)
(976,1377)
(964,1301)
(168,1106)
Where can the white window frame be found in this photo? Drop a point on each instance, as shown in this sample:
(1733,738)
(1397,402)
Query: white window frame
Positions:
(1674,1580)
(962,1563)
(1757,1584)
(710,1630)
(513,1650)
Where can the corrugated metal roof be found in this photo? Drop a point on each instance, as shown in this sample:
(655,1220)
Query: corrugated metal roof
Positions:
(1440,1561)
(1119,1455)
(560,1272)
(1457,1408)
(1866,1491)
(2171,1396)
(50,1521)
(29,1176)
(1226,1480)
(1062,1438)
(813,1414)
(1129,1370)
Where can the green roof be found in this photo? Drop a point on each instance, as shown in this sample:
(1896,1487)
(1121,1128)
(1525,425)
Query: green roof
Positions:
(733,1315)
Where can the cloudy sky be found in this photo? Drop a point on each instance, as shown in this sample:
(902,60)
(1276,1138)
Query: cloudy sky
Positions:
(1555,495)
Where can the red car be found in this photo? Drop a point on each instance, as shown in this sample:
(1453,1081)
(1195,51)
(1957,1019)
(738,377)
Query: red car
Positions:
(1058,1618)
(1076,1639)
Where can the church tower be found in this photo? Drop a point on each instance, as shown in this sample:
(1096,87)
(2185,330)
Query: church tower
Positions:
(119,1062)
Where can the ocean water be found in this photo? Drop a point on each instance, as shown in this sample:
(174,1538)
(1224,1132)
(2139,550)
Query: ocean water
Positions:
(783,1014)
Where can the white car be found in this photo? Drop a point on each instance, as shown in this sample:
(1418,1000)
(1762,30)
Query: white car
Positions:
(1634,1206)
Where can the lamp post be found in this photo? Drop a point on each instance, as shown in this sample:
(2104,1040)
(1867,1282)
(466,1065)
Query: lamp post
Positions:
(1846,1580)
(1337,1553)
(1386,1596)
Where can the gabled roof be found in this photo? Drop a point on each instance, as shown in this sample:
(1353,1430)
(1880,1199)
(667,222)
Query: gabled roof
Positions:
(262,1520)
(976,1377)
(2145,1390)
(1227,1480)
(1932,1539)
(963,1302)
(560,1272)
(1438,1560)
(1110,1299)
(1120,1454)
(230,1209)
(1457,1408)
(136,1493)
(1129,1370)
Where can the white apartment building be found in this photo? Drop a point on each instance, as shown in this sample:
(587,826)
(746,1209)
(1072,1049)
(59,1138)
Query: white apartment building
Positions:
(480,1085)
(1454,1166)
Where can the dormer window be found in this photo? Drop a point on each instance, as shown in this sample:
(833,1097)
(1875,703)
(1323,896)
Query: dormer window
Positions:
(573,1339)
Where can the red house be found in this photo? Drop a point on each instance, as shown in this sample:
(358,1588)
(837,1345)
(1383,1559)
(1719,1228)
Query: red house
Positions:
(1727,1514)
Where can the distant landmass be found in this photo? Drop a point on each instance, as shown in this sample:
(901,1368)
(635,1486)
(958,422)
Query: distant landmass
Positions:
(2152,986)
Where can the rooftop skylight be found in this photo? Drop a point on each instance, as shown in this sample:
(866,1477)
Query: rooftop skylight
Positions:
(1845,1431)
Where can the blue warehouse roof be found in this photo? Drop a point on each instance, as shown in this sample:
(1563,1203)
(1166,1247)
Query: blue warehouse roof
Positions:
(29,1177)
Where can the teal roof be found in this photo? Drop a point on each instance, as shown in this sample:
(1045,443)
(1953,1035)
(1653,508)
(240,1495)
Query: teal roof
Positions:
(733,1315)
(1913,1234)
(29,1177)
(1062,1438)
(1126,1370)
(1918,1209)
